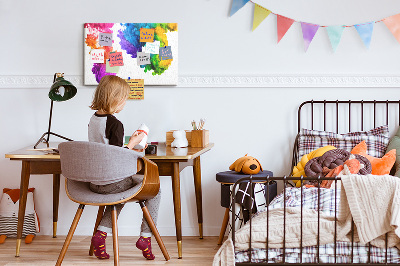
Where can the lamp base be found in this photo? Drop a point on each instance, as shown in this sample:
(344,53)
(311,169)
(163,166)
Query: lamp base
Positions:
(45,139)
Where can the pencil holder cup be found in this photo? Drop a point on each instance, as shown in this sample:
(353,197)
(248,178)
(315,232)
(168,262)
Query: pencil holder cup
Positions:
(199,138)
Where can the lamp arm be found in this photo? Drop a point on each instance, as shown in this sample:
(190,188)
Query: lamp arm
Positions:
(51,114)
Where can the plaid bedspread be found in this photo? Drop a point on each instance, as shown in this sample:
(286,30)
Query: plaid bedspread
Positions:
(326,252)
(310,199)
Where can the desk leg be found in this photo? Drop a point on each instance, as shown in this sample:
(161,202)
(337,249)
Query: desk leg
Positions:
(176,190)
(56,199)
(197,187)
(25,175)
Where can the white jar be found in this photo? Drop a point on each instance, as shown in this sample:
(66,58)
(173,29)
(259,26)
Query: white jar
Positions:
(143,128)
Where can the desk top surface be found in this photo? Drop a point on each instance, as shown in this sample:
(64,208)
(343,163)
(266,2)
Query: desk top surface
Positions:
(163,153)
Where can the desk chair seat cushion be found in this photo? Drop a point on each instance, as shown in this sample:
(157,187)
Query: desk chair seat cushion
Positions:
(80,192)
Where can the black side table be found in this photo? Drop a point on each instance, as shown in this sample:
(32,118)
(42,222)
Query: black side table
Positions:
(229,178)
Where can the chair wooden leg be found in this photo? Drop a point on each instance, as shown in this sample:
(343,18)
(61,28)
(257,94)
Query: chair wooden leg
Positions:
(70,234)
(98,220)
(223,227)
(115,235)
(154,230)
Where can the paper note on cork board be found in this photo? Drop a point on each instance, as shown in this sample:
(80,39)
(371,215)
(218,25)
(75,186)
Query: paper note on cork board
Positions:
(97,55)
(105,39)
(152,47)
(137,89)
(146,35)
(110,69)
(165,53)
(143,58)
(116,59)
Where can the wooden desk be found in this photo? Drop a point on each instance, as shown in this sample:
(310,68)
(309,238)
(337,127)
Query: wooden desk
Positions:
(170,162)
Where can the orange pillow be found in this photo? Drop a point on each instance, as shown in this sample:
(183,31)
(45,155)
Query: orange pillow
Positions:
(380,166)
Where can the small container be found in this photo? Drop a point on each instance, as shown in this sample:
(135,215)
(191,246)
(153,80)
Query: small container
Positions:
(151,149)
(200,138)
(143,128)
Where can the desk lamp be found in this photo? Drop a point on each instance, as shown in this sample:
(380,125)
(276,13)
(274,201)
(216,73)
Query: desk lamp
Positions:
(61,90)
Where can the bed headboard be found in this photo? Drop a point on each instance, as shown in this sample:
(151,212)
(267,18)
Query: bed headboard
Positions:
(347,113)
(347,116)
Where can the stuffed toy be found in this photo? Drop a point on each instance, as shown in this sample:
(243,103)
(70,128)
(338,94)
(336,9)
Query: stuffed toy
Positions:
(9,205)
(350,166)
(180,140)
(380,166)
(246,165)
(298,170)
(332,159)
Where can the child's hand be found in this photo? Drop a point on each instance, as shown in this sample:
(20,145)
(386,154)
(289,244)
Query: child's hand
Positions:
(141,150)
(135,139)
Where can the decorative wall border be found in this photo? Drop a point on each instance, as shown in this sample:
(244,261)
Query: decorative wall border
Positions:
(244,81)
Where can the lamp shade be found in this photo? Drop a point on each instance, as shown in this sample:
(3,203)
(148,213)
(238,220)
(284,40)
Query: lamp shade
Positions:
(62,90)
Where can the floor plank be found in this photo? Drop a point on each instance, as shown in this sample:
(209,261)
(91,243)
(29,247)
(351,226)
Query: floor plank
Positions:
(44,251)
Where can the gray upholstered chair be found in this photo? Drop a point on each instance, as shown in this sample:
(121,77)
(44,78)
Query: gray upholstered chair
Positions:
(83,162)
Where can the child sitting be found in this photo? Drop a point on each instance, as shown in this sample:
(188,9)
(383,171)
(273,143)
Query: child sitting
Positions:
(110,98)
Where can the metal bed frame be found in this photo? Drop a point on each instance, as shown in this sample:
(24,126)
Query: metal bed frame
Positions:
(338,106)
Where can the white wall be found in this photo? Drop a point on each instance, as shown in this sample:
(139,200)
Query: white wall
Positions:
(44,37)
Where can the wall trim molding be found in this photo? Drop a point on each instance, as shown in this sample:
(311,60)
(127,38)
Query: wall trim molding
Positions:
(240,81)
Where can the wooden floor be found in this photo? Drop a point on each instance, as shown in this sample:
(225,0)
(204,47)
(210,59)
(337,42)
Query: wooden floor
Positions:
(44,250)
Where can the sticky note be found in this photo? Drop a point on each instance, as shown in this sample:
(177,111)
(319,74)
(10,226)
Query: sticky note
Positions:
(105,39)
(146,35)
(137,89)
(110,69)
(97,55)
(152,47)
(143,58)
(165,53)
(116,59)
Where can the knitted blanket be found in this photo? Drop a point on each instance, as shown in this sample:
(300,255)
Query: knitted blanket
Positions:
(372,201)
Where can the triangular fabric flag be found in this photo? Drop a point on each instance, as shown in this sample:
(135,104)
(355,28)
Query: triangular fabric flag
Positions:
(365,32)
(260,13)
(309,31)
(236,5)
(335,35)
(393,23)
(283,24)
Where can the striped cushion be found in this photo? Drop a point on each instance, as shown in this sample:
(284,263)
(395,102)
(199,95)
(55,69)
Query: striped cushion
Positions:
(377,139)
(8,225)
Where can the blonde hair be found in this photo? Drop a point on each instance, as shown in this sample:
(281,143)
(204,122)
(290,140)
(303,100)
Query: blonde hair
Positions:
(109,93)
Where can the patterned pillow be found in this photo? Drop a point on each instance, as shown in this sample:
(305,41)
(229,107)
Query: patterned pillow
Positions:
(377,140)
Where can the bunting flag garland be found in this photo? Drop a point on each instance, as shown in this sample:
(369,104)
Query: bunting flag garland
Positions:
(309,30)
(393,24)
(283,25)
(365,32)
(236,5)
(335,34)
(260,13)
